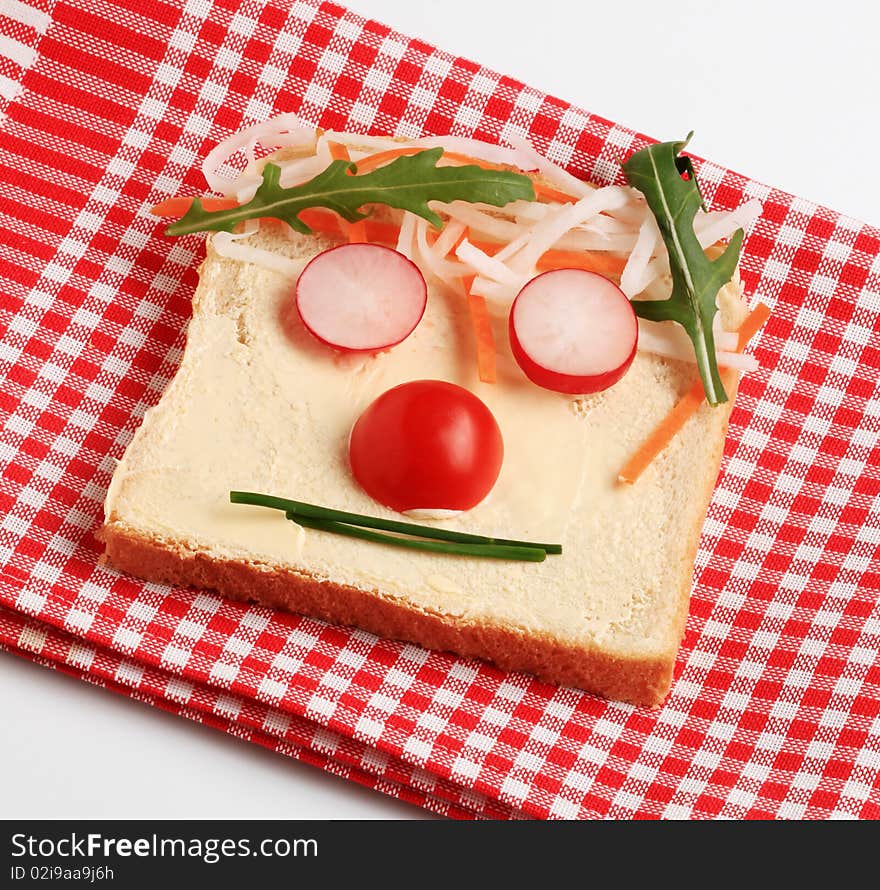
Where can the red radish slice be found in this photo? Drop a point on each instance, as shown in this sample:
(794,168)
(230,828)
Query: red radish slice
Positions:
(573,331)
(361,297)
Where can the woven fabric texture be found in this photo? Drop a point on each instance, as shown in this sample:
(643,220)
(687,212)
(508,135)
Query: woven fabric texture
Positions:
(107,107)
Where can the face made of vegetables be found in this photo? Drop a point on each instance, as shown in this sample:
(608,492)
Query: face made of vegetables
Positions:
(432,445)
(571,328)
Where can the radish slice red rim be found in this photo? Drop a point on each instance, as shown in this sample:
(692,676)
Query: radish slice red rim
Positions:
(361,297)
(573,331)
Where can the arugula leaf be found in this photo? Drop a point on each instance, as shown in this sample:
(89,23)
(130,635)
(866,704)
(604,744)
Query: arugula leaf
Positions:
(657,173)
(407,183)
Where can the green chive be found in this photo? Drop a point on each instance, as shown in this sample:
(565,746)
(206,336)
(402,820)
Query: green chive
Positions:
(491,551)
(311,511)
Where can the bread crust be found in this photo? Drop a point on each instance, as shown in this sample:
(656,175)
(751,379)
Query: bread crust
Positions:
(731,382)
(644,681)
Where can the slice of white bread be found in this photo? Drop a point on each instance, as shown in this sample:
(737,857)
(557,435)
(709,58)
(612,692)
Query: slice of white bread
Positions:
(257,405)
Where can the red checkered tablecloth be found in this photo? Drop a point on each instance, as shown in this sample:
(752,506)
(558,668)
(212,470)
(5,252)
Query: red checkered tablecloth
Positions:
(107,107)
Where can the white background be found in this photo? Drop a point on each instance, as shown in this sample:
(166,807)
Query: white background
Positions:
(785,93)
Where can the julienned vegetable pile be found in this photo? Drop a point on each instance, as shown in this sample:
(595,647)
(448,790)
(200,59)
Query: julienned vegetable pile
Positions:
(586,276)
(499,228)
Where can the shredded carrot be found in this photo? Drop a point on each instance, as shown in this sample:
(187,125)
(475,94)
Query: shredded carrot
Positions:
(357,232)
(600,261)
(338,151)
(551,194)
(663,433)
(384,232)
(489,247)
(591,260)
(371,162)
(482,325)
(684,408)
(179,205)
(328,223)
(322,221)
(485,338)
(467,159)
(753,323)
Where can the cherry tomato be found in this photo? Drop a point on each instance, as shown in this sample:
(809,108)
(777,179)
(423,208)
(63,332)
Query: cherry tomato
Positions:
(426,445)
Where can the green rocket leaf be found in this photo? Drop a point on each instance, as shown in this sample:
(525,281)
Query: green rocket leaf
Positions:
(657,173)
(407,183)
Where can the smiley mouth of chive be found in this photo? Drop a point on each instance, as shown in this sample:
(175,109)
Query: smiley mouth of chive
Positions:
(409,535)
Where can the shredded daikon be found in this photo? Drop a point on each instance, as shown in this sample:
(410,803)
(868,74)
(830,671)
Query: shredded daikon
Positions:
(475,148)
(579,239)
(487,226)
(555,174)
(710,228)
(218,156)
(282,129)
(299,170)
(549,230)
(452,231)
(632,278)
(677,339)
(608,225)
(510,249)
(622,234)
(726,340)
(444,270)
(405,239)
(503,294)
(717,225)
(478,222)
(227,244)
(294,171)
(485,265)
(530,211)
(668,347)
(632,213)
(613,218)
(374,143)
(250,149)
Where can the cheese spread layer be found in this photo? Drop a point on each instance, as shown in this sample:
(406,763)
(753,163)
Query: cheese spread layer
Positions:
(259,405)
